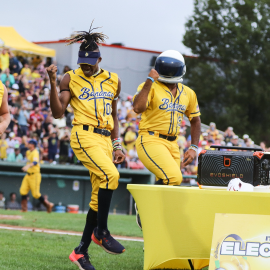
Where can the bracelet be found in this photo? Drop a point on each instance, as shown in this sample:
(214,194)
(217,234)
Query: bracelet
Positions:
(194,145)
(150,78)
(193,148)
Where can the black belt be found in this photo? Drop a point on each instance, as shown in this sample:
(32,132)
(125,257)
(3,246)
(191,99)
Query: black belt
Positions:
(100,131)
(169,138)
(30,173)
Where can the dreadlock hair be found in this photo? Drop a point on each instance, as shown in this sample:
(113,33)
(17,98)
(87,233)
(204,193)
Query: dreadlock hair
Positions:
(90,40)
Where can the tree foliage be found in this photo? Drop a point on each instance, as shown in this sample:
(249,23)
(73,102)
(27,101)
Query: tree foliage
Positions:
(231,75)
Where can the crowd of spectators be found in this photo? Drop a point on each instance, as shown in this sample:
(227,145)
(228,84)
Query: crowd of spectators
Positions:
(28,97)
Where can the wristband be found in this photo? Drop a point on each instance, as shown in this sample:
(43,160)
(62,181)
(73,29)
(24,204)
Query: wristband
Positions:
(150,78)
(193,148)
(194,145)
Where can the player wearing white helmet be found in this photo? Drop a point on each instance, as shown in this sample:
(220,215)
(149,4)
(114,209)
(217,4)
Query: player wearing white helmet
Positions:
(163,100)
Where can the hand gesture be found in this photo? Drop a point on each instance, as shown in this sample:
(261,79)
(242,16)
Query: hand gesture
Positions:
(119,157)
(52,71)
(153,74)
(189,156)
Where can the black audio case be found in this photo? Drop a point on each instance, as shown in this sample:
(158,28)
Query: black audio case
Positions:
(217,168)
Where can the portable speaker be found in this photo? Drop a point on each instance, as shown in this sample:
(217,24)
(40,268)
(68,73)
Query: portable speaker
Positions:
(217,168)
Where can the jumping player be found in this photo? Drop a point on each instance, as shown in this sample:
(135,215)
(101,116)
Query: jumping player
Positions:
(4,111)
(163,100)
(93,94)
(32,179)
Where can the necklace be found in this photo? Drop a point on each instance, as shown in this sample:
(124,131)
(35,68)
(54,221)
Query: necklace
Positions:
(96,72)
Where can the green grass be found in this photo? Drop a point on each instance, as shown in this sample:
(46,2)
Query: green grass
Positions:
(31,251)
(118,224)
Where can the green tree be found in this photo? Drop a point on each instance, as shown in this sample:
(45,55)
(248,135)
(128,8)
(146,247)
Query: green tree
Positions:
(231,75)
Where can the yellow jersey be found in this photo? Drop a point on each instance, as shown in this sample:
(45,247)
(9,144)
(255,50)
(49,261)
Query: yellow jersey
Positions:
(33,156)
(3,149)
(164,112)
(91,98)
(2,90)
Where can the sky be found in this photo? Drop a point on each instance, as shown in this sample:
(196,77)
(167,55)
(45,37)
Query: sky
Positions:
(146,24)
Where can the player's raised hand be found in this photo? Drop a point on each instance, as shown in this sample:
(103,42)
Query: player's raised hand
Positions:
(153,74)
(52,71)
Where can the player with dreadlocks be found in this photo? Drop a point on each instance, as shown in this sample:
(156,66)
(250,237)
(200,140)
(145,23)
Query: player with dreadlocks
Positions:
(92,92)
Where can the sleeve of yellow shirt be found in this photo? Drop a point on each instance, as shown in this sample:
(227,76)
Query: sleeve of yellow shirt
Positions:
(150,95)
(193,109)
(35,156)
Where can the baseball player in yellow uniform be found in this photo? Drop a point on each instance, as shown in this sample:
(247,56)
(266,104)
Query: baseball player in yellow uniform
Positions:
(92,92)
(32,179)
(4,111)
(163,100)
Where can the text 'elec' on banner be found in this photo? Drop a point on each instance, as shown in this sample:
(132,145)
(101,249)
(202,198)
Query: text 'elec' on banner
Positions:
(240,242)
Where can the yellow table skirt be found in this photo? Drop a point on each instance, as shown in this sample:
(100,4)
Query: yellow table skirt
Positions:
(178,222)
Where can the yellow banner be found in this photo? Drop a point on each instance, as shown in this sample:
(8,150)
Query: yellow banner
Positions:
(240,242)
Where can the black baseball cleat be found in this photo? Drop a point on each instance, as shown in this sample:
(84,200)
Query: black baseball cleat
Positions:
(81,259)
(107,242)
(138,220)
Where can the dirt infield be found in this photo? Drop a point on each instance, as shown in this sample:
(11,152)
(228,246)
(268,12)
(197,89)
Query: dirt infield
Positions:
(10,217)
(40,230)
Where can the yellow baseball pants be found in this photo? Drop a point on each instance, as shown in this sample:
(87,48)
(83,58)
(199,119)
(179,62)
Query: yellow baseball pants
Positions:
(31,182)
(161,157)
(95,153)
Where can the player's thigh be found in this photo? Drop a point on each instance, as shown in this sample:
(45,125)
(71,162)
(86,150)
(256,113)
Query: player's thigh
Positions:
(177,158)
(35,185)
(157,158)
(25,186)
(92,151)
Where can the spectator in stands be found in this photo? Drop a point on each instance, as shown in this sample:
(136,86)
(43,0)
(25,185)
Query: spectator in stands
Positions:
(235,141)
(66,69)
(23,119)
(35,117)
(12,204)
(15,156)
(3,147)
(35,74)
(4,58)
(228,134)
(64,147)
(212,131)
(28,103)
(14,64)
(246,139)
(130,138)
(6,76)
(23,146)
(26,71)
(11,141)
(52,146)
(2,200)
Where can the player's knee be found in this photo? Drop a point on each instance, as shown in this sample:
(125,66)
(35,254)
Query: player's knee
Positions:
(176,179)
(36,195)
(114,180)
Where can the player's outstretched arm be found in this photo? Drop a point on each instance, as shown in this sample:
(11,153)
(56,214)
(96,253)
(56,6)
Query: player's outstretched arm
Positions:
(60,102)
(195,131)
(140,100)
(119,156)
(4,113)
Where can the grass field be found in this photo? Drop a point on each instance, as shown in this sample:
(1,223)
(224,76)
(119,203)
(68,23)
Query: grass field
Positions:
(118,224)
(23,250)
(31,251)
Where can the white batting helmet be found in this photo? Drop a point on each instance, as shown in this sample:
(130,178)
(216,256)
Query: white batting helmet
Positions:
(170,66)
